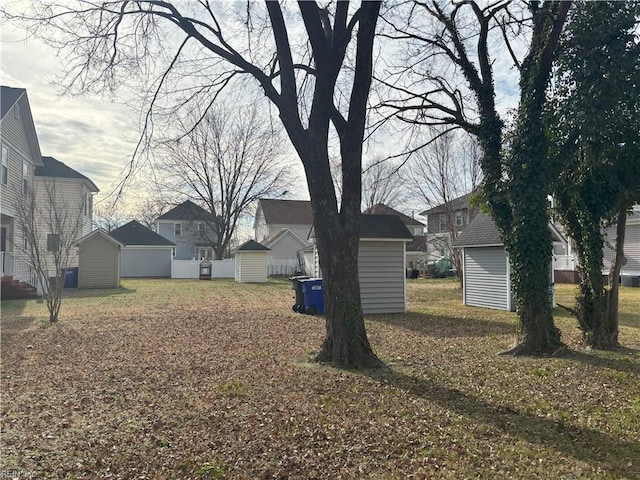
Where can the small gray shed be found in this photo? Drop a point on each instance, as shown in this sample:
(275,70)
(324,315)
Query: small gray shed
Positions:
(252,262)
(144,252)
(486,269)
(381,263)
(98,260)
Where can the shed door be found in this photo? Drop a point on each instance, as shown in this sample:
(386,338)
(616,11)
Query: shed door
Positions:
(485,278)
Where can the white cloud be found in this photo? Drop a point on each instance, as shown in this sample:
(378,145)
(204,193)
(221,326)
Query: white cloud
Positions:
(92,135)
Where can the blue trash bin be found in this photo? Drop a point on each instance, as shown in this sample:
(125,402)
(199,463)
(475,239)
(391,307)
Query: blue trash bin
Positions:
(71,277)
(313,296)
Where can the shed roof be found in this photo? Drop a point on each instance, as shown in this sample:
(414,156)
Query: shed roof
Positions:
(290,212)
(187,210)
(134,233)
(97,233)
(482,231)
(252,246)
(383,209)
(383,226)
(57,169)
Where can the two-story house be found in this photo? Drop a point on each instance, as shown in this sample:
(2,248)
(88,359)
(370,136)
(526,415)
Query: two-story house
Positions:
(64,200)
(189,227)
(444,223)
(20,156)
(283,226)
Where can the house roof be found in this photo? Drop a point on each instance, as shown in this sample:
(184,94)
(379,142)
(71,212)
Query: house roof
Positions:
(455,204)
(289,212)
(383,226)
(383,209)
(418,244)
(8,98)
(56,169)
(187,210)
(97,233)
(272,239)
(252,246)
(482,231)
(134,233)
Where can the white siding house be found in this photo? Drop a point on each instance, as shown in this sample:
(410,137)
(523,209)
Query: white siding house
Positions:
(20,153)
(251,262)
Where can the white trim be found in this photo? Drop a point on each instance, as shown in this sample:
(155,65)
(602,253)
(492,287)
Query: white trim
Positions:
(147,247)
(97,232)
(464,279)
(404,274)
(509,287)
(404,240)
(484,245)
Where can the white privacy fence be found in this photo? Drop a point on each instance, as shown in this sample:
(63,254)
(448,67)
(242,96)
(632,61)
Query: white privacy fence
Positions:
(191,268)
(283,268)
(564,262)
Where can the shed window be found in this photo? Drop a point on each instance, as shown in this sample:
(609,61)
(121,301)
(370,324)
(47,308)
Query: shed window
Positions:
(53,242)
(5,165)
(458,218)
(177,229)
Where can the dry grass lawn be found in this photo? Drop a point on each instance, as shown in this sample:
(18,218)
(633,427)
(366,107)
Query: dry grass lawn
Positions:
(187,379)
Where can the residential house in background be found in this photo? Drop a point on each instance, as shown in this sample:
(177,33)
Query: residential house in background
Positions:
(20,156)
(283,226)
(144,253)
(188,226)
(70,192)
(456,213)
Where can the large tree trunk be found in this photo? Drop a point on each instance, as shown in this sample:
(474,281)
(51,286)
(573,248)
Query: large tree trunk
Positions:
(608,336)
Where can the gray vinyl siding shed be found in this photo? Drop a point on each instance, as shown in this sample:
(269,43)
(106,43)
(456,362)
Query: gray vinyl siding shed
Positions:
(381,264)
(98,260)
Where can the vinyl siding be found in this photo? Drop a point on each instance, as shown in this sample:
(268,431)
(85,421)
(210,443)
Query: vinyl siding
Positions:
(146,262)
(485,277)
(13,135)
(251,267)
(286,248)
(631,249)
(185,243)
(99,265)
(382,277)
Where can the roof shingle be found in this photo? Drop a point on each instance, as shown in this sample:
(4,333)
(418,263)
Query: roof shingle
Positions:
(289,212)
(134,233)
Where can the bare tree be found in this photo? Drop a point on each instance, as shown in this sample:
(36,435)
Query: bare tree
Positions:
(226,163)
(382,183)
(109,215)
(299,64)
(148,206)
(51,223)
(440,172)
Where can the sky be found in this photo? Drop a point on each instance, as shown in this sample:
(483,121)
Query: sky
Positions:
(92,135)
(97,136)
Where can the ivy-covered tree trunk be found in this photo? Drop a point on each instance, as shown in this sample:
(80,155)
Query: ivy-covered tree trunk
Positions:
(609,333)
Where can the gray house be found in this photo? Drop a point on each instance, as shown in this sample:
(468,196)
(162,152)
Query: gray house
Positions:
(144,252)
(381,264)
(486,269)
(189,227)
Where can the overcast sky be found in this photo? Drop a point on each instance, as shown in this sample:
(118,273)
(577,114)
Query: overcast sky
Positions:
(89,134)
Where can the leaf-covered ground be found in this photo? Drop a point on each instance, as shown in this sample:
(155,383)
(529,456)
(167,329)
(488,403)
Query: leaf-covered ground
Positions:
(188,379)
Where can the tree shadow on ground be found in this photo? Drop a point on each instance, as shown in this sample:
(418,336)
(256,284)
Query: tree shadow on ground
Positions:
(621,365)
(96,292)
(12,320)
(445,326)
(617,456)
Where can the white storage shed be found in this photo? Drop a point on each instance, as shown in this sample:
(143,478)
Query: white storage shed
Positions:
(252,262)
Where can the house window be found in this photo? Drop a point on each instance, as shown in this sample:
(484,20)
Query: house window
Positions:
(442,222)
(53,242)
(418,231)
(201,229)
(25,239)
(177,229)
(5,165)
(25,178)
(203,253)
(458,218)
